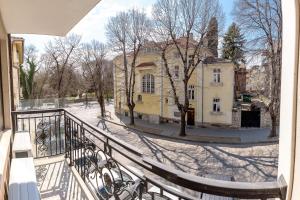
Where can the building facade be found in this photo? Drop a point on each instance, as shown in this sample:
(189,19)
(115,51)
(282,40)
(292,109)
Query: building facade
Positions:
(240,80)
(17,59)
(210,89)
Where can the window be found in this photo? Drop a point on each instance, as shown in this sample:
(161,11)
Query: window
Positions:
(191,60)
(177,55)
(166,100)
(216,105)
(177,114)
(217,75)
(148,83)
(176,71)
(191,92)
(139,98)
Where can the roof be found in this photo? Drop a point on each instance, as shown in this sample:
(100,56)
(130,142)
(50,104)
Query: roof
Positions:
(14,38)
(212,59)
(19,43)
(146,64)
(52,17)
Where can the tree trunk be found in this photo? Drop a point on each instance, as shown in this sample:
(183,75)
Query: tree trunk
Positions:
(61,100)
(102,105)
(273,132)
(86,100)
(182,124)
(131,115)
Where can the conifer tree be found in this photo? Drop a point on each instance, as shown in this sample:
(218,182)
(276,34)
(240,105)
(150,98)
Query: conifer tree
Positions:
(212,36)
(233,45)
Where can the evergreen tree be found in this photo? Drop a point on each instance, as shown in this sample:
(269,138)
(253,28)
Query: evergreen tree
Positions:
(212,36)
(27,79)
(233,45)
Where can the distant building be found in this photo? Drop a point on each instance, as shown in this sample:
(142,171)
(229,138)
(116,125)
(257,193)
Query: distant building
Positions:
(210,88)
(258,80)
(240,80)
(17,48)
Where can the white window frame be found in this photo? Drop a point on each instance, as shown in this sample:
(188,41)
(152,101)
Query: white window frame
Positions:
(216,104)
(191,92)
(217,75)
(148,83)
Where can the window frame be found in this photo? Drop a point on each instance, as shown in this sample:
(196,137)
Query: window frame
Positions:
(176,72)
(216,75)
(216,105)
(191,92)
(148,83)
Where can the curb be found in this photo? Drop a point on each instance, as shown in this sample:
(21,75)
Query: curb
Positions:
(189,140)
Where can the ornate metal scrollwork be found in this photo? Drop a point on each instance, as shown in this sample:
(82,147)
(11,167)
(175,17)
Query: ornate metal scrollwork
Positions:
(106,175)
(42,135)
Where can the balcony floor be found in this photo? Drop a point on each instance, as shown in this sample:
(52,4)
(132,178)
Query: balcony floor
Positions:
(56,180)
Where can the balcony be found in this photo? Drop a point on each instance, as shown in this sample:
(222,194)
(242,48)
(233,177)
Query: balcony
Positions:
(75,160)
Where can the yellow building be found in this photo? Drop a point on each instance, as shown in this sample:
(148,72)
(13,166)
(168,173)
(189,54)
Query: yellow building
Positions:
(17,49)
(210,88)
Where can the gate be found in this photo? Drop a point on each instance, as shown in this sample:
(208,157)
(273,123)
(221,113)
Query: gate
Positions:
(250,119)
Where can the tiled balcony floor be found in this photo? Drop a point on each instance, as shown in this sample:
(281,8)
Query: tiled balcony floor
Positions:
(56,180)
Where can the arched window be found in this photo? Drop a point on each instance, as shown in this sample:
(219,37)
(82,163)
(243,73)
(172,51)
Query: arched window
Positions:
(148,83)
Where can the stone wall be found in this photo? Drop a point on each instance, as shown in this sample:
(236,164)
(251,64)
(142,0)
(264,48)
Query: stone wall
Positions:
(265,119)
(236,118)
(154,119)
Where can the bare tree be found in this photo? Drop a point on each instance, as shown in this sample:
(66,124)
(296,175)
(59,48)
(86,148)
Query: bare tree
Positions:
(127,32)
(184,24)
(62,57)
(93,68)
(262,20)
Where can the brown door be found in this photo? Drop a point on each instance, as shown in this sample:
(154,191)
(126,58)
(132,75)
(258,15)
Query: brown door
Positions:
(191,117)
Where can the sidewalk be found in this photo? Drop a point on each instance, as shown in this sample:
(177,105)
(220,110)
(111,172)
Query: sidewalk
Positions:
(198,134)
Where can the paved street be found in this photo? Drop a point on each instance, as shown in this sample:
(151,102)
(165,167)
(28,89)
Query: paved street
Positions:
(244,162)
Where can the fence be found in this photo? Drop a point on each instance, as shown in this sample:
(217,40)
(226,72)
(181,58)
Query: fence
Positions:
(113,168)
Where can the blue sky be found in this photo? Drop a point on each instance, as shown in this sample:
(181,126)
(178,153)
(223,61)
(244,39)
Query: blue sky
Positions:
(92,26)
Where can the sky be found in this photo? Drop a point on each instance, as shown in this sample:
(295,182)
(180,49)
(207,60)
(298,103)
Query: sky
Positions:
(92,26)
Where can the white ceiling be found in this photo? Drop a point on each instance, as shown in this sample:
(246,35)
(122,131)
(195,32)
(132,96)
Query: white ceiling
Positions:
(47,17)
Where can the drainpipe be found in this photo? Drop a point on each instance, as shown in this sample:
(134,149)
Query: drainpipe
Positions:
(202,87)
(161,89)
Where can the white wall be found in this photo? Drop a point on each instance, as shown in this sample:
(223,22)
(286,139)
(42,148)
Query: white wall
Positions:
(288,150)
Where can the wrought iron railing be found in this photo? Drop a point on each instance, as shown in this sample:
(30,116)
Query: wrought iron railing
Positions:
(46,128)
(113,168)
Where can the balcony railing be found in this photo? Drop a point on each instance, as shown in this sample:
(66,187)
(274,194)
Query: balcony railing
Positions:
(113,168)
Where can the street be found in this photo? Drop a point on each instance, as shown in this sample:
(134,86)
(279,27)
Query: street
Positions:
(244,162)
